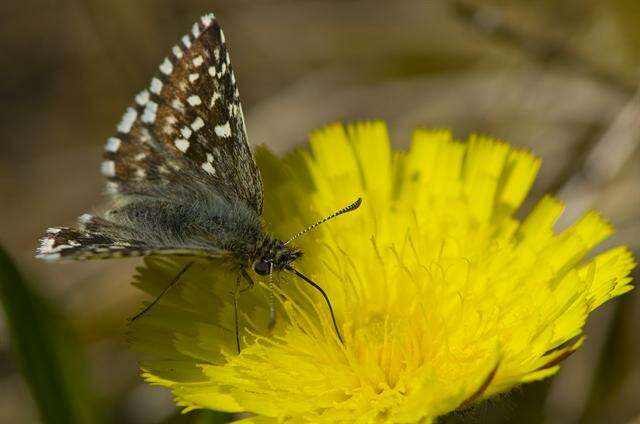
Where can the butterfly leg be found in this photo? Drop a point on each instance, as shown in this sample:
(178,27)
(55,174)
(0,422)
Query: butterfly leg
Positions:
(272,298)
(166,289)
(236,296)
(248,279)
(272,305)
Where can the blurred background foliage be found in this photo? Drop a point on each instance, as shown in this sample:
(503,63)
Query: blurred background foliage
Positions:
(557,76)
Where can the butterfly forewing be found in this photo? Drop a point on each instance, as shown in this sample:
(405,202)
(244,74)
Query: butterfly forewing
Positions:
(187,128)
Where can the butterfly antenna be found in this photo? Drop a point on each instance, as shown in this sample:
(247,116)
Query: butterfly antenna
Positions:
(352,207)
(324,294)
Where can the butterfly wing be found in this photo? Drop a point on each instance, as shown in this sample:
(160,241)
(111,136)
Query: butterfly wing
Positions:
(186,134)
(98,238)
(179,167)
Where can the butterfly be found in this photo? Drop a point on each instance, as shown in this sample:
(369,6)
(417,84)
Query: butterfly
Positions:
(181,175)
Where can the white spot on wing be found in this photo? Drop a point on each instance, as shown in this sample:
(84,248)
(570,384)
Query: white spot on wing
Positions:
(166,67)
(216,54)
(194,100)
(149,115)
(156,86)
(46,247)
(113,144)
(177,52)
(195,30)
(214,98)
(197,124)
(207,19)
(223,130)
(84,218)
(140,173)
(177,104)
(46,244)
(193,77)
(212,71)
(108,168)
(186,132)
(197,61)
(208,168)
(222,36)
(142,98)
(49,257)
(181,144)
(127,120)
(186,41)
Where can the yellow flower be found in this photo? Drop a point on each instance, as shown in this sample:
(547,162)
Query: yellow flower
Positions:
(442,296)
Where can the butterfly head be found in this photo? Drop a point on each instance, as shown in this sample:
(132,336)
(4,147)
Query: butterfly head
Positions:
(278,255)
(275,256)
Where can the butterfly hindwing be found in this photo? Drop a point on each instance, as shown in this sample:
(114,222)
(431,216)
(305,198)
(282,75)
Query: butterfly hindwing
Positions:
(68,243)
(187,128)
(98,238)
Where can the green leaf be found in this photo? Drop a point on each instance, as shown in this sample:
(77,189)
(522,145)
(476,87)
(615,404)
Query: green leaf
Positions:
(45,350)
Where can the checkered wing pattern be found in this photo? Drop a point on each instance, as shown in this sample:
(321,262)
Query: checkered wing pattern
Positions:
(186,131)
(99,238)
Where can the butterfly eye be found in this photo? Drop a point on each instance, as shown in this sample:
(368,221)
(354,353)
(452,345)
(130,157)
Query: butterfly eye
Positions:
(262,267)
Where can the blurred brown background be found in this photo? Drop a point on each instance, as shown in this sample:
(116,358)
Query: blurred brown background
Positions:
(559,77)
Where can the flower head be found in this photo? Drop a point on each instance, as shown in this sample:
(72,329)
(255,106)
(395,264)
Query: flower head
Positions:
(442,296)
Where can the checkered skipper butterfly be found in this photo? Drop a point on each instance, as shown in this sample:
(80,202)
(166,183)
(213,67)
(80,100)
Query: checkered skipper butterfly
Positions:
(182,176)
